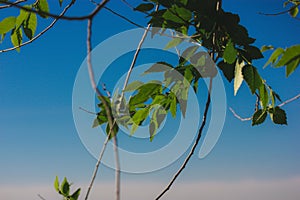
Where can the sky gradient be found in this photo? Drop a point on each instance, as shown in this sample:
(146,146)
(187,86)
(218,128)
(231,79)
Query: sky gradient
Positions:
(38,138)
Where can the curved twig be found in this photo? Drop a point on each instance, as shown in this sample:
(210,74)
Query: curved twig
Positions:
(250,118)
(79,18)
(16,2)
(42,32)
(194,145)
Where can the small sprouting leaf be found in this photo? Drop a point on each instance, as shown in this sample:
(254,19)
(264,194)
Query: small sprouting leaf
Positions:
(7,24)
(227,69)
(259,117)
(60,2)
(43,6)
(294,11)
(65,187)
(133,86)
(144,7)
(238,76)
(16,38)
(274,57)
(252,77)
(56,184)
(173,43)
(75,195)
(29,25)
(266,48)
(230,53)
(159,67)
(278,115)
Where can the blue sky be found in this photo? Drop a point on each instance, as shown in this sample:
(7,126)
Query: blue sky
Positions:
(38,138)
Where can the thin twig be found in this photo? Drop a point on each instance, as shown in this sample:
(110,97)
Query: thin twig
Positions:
(42,32)
(250,118)
(194,145)
(40,196)
(207,105)
(87,111)
(279,13)
(85,17)
(16,2)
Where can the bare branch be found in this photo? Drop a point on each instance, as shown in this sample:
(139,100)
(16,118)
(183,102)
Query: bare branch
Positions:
(16,2)
(194,145)
(40,196)
(280,13)
(42,32)
(55,16)
(280,105)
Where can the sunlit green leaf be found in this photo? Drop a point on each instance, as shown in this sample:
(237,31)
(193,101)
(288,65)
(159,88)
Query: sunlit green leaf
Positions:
(294,11)
(29,25)
(264,96)
(274,57)
(7,24)
(43,6)
(159,67)
(133,86)
(266,48)
(16,38)
(56,184)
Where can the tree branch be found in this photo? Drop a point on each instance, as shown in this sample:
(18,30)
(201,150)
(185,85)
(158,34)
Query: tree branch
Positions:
(279,13)
(194,145)
(42,32)
(16,2)
(55,16)
(250,118)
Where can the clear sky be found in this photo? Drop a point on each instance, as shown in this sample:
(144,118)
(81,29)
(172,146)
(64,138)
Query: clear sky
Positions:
(38,138)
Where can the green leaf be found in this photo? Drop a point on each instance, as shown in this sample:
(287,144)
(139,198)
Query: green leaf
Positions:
(158,67)
(60,2)
(264,96)
(252,77)
(274,57)
(173,105)
(266,48)
(29,25)
(145,92)
(113,132)
(133,86)
(238,76)
(140,115)
(289,55)
(157,118)
(291,66)
(278,115)
(177,14)
(173,43)
(16,38)
(229,53)
(294,11)
(65,187)
(7,24)
(22,17)
(75,195)
(253,52)
(187,54)
(227,69)
(144,7)
(43,6)
(56,184)
(259,117)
